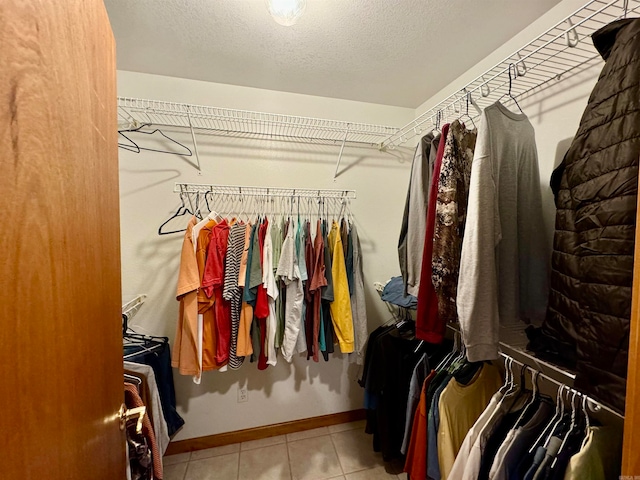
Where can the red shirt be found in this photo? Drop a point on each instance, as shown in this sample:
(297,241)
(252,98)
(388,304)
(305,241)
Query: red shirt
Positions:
(213,283)
(429,326)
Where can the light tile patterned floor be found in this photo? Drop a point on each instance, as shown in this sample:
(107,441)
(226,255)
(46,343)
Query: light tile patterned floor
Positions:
(339,452)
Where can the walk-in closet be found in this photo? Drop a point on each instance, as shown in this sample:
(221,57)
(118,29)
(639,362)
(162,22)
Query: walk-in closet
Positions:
(320,239)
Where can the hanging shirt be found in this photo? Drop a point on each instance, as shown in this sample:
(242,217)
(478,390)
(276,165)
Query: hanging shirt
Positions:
(504,259)
(348,256)
(261,312)
(600,456)
(327,296)
(416,460)
(249,292)
(358,303)
(288,270)
(457,469)
(420,372)
(427,314)
(276,241)
(301,344)
(157,419)
(232,292)
(472,469)
(244,347)
(282,298)
(206,318)
(185,351)
(460,406)
(213,284)
(271,288)
(506,463)
(433,422)
(412,234)
(449,222)
(313,346)
(341,305)
(318,280)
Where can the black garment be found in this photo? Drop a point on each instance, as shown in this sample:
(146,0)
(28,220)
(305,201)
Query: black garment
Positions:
(525,436)
(530,462)
(370,398)
(494,441)
(538,458)
(160,361)
(545,467)
(592,263)
(391,365)
(572,446)
(550,348)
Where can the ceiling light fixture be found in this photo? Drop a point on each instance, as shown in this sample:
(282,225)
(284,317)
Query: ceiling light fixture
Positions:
(286,12)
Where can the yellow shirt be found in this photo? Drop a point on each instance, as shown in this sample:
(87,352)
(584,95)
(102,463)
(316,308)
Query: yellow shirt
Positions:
(341,305)
(600,456)
(459,407)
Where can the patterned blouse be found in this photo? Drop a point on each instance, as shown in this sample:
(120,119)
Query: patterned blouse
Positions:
(451,212)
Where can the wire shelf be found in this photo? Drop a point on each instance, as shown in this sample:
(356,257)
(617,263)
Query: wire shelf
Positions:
(262,191)
(134,112)
(564,48)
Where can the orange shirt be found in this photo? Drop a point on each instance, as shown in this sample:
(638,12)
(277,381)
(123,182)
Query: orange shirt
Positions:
(205,303)
(416,461)
(185,349)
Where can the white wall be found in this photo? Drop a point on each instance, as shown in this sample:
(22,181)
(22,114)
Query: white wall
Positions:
(150,262)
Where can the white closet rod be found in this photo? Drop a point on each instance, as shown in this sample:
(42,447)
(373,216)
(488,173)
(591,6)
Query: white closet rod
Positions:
(561,49)
(546,370)
(594,404)
(262,191)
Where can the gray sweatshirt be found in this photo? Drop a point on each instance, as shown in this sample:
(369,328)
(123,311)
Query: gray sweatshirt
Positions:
(412,244)
(504,265)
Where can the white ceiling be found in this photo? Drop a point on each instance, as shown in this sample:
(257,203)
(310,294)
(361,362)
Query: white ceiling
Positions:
(394,52)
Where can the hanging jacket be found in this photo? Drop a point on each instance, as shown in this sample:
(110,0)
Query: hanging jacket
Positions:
(590,298)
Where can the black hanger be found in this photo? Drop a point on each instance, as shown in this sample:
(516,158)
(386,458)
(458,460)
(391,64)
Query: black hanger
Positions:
(466,113)
(511,77)
(133,146)
(182,210)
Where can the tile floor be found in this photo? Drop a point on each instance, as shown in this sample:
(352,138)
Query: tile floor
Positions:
(340,452)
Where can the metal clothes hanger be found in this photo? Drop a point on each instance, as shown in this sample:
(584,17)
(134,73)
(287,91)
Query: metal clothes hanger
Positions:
(182,210)
(134,147)
(572,428)
(552,423)
(133,379)
(466,113)
(509,93)
(533,402)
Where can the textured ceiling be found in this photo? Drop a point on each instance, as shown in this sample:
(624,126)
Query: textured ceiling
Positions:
(394,52)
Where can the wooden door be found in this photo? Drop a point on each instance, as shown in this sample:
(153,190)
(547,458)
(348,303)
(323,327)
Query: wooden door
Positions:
(631,446)
(60,332)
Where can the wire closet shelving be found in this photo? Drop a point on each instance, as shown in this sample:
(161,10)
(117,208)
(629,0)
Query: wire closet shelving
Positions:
(564,48)
(263,191)
(134,112)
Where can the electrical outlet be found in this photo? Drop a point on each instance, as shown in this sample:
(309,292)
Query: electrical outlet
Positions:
(243,396)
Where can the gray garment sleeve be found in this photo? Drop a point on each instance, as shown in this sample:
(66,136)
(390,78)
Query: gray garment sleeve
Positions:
(420,372)
(418,196)
(358,305)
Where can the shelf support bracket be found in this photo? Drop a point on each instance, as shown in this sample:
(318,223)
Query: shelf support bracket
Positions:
(344,140)
(195,144)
